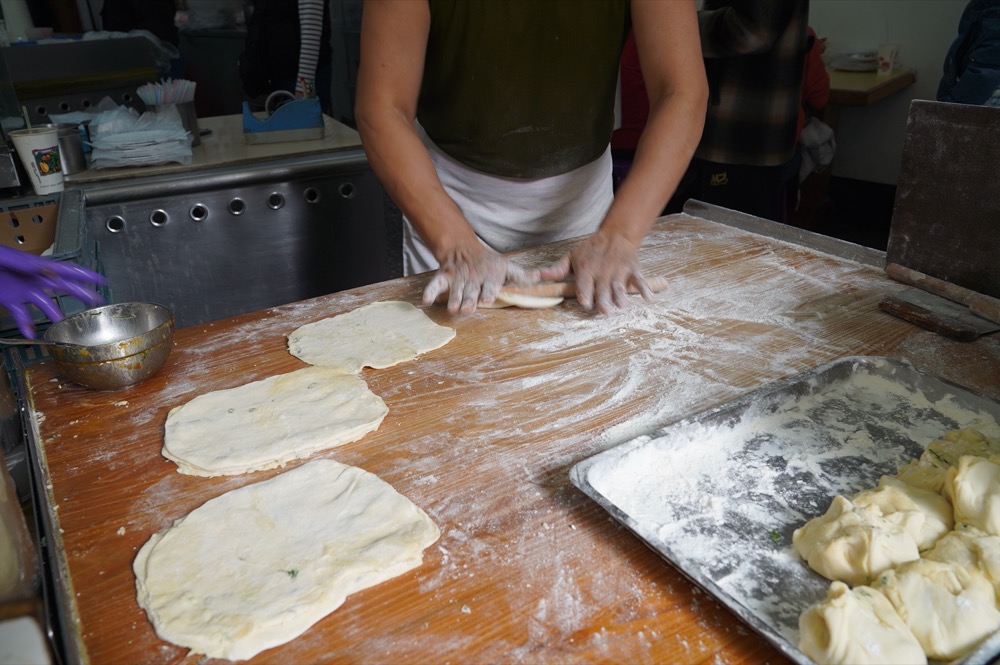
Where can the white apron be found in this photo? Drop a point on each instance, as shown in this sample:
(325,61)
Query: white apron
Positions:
(510,214)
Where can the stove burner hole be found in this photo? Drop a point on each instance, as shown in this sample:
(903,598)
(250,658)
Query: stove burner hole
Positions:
(41,110)
(158,217)
(347,190)
(199,212)
(115,224)
(237,206)
(275,201)
(311,195)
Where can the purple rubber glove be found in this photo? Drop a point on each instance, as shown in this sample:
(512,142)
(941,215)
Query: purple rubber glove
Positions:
(26,279)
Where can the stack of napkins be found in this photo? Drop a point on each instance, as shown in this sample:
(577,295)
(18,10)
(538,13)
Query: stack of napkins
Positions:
(123,137)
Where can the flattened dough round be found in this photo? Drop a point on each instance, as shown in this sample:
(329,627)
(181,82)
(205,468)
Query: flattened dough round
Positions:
(256,567)
(378,335)
(264,424)
(523,301)
(857,627)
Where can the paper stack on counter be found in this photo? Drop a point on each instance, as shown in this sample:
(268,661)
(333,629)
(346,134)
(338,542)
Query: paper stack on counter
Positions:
(122,137)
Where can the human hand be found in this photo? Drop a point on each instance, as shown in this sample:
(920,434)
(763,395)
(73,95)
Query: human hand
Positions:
(473,275)
(26,279)
(604,266)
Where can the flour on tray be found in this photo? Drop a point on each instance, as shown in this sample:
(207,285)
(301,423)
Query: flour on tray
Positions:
(720,495)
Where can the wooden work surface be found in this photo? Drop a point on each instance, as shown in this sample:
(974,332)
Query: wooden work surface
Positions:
(481,434)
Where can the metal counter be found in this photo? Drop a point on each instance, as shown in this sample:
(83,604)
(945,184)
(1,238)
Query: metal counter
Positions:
(235,239)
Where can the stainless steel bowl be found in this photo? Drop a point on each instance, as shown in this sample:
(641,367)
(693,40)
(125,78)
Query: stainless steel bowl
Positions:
(119,345)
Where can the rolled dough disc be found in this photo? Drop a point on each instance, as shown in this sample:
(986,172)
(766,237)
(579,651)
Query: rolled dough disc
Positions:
(264,424)
(256,567)
(378,335)
(523,301)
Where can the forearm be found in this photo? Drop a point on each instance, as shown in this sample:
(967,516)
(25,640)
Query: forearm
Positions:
(404,167)
(662,157)
(393,41)
(670,56)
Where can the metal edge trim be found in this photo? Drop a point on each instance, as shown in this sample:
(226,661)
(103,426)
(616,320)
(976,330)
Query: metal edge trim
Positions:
(52,552)
(793,234)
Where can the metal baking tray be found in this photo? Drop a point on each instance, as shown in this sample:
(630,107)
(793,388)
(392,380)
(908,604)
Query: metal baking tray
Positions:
(718,495)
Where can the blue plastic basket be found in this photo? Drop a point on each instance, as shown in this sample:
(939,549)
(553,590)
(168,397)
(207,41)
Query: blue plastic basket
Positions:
(68,246)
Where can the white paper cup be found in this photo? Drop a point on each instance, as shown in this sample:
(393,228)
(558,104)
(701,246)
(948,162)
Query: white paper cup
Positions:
(887,58)
(38,149)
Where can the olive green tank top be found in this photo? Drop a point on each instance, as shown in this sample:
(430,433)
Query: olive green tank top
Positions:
(522,88)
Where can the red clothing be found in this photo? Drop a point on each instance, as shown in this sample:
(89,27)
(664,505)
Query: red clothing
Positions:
(815,83)
(635,103)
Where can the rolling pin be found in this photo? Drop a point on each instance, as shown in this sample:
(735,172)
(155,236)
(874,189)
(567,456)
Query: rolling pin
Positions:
(568,289)
(981,305)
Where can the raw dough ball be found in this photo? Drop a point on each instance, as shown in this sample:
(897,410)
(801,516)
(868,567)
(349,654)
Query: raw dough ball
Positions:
(973,487)
(852,544)
(928,472)
(922,474)
(946,451)
(857,627)
(925,515)
(378,335)
(264,424)
(948,598)
(948,608)
(258,566)
(973,550)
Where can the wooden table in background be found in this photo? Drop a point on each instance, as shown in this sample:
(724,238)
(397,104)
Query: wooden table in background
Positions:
(481,434)
(862,89)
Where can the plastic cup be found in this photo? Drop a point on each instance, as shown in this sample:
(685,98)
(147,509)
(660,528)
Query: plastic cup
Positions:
(38,149)
(70,147)
(887,58)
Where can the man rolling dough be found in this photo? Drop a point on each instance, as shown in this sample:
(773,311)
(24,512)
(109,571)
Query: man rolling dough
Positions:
(489,124)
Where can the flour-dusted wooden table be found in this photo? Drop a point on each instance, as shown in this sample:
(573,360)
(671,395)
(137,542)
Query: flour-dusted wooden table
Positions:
(481,434)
